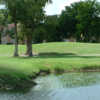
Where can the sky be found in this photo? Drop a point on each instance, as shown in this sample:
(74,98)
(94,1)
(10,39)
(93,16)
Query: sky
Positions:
(1,6)
(57,6)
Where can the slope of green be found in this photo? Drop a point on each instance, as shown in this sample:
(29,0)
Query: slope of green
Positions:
(49,56)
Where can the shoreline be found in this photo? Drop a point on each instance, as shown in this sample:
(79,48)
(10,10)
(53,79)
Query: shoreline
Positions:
(17,84)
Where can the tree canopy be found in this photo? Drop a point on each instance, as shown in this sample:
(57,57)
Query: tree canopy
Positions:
(27,12)
(81,20)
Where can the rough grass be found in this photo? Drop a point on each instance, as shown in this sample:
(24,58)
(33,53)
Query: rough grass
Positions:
(50,56)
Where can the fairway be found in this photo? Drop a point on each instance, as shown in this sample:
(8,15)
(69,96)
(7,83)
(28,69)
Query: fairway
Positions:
(49,56)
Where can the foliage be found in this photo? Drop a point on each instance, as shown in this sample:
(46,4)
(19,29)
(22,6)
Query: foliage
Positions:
(30,13)
(81,20)
(67,21)
(3,21)
(51,25)
(88,19)
(47,31)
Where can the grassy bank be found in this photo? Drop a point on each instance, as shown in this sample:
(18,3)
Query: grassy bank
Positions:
(50,56)
(67,56)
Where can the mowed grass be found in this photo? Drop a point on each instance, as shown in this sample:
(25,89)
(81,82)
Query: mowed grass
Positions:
(49,56)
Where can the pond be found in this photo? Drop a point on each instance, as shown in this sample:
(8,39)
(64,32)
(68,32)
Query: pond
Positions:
(70,86)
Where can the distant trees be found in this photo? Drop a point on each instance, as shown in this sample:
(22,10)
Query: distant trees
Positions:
(81,20)
(88,20)
(67,21)
(51,25)
(48,30)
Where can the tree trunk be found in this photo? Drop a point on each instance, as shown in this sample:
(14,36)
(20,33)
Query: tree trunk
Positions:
(1,31)
(29,46)
(0,37)
(16,41)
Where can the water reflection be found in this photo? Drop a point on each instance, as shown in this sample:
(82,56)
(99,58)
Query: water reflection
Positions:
(70,80)
(73,80)
(71,86)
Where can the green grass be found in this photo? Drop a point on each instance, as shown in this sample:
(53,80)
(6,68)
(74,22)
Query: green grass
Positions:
(52,56)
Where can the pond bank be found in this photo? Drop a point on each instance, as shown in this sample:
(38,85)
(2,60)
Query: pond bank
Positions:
(72,86)
(8,83)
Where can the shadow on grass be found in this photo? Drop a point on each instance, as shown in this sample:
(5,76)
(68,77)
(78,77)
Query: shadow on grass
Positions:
(64,55)
(56,54)
(59,55)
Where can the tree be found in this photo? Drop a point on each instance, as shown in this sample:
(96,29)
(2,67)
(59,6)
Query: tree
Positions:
(67,21)
(81,20)
(31,15)
(40,34)
(88,18)
(12,10)
(48,30)
(51,26)
(2,23)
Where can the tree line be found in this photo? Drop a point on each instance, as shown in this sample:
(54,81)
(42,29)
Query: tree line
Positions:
(80,20)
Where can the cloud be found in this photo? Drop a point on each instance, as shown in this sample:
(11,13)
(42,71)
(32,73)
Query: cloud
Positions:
(57,6)
(2,6)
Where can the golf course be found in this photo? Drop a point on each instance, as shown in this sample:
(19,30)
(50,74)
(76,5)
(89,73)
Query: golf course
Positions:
(52,57)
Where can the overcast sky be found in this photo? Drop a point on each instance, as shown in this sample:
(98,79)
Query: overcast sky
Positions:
(1,6)
(57,6)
